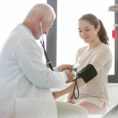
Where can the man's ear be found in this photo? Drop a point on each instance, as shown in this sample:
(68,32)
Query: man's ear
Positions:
(40,19)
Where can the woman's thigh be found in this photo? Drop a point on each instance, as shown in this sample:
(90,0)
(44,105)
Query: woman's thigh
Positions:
(92,108)
(68,110)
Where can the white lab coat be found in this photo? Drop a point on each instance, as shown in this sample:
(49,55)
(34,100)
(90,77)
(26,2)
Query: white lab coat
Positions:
(25,81)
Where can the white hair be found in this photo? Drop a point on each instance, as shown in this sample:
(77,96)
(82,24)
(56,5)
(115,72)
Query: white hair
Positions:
(42,9)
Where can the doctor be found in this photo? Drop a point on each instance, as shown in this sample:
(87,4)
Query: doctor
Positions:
(25,81)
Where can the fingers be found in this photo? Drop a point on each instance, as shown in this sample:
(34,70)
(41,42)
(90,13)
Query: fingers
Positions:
(65,67)
(69,75)
(56,94)
(70,68)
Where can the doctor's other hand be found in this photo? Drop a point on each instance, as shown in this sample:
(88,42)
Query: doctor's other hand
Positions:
(65,67)
(70,76)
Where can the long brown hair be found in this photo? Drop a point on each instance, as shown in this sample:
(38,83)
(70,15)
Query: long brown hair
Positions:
(95,21)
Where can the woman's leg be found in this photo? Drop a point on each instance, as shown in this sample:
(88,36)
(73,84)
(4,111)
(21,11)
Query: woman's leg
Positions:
(68,110)
(92,109)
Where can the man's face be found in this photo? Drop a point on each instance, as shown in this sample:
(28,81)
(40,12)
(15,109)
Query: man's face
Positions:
(42,27)
(46,26)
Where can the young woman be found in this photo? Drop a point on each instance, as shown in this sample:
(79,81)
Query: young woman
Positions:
(92,91)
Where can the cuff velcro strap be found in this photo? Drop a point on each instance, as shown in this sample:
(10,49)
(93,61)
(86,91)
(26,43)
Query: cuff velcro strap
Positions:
(87,73)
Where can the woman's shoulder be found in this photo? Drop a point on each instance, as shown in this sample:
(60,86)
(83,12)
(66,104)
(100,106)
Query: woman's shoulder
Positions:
(81,49)
(105,48)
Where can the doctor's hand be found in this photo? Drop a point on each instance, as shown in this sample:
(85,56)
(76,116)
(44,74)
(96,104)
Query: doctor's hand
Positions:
(65,67)
(70,76)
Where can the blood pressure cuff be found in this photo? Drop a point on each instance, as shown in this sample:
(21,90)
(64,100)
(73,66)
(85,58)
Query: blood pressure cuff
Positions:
(87,73)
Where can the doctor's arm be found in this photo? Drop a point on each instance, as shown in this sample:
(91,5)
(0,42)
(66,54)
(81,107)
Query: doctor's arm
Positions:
(29,58)
(67,68)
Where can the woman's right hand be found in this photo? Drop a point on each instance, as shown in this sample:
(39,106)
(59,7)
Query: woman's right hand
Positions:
(56,94)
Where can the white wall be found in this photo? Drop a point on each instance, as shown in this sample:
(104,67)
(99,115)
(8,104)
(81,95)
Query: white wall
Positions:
(113,95)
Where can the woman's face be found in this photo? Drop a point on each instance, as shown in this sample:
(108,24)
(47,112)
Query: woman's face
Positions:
(87,31)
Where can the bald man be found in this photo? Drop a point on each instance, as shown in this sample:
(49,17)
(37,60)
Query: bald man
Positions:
(25,81)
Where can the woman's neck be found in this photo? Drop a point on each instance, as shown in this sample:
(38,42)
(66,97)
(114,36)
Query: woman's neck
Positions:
(94,44)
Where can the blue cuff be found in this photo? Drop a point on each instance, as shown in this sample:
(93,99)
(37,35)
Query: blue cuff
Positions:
(56,69)
(66,78)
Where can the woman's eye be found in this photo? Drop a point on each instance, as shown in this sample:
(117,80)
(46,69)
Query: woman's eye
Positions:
(87,30)
(80,30)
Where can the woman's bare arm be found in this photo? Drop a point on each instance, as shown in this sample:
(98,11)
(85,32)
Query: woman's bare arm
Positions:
(69,89)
